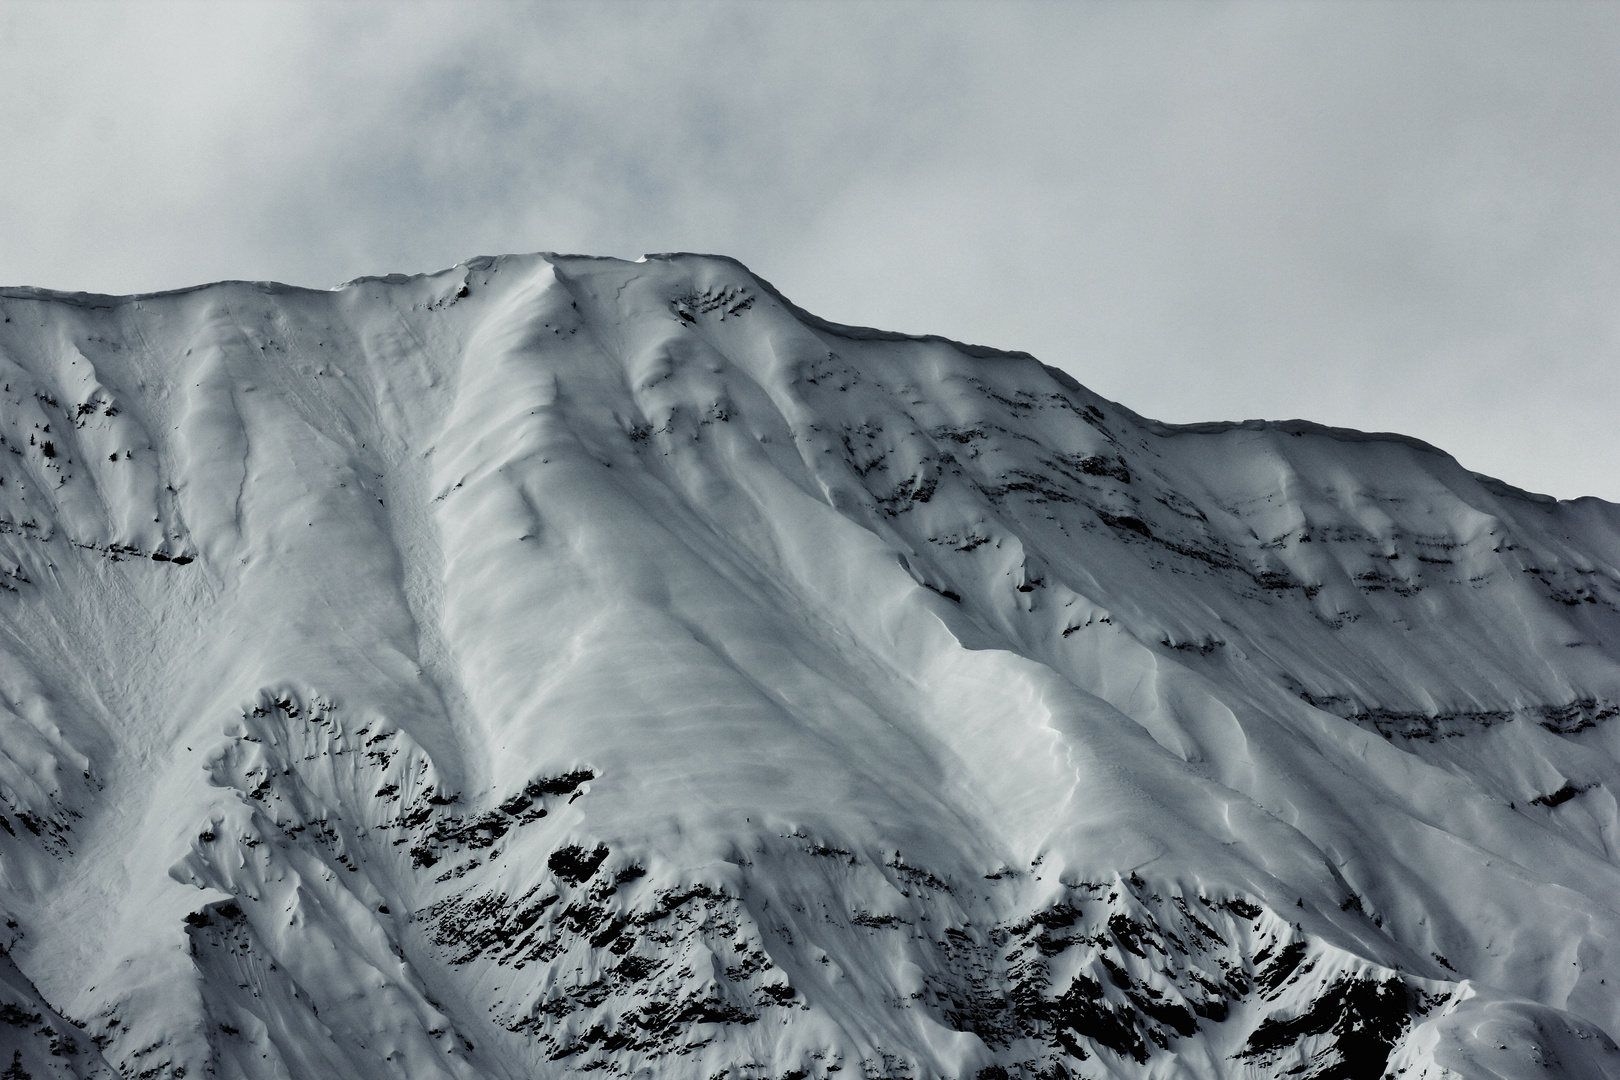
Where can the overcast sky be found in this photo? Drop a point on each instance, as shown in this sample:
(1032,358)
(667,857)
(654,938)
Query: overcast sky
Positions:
(1393,217)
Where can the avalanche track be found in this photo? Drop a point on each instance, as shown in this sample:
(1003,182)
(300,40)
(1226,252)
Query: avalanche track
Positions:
(559,665)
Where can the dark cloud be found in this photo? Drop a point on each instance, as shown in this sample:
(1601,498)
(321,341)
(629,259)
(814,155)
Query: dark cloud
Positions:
(1385,216)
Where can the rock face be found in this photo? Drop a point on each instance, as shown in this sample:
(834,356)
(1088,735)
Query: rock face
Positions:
(562,665)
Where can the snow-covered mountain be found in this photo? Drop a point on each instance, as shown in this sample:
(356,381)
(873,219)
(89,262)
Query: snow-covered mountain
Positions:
(560,665)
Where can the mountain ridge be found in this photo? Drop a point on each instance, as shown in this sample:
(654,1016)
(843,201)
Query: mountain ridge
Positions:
(557,663)
(849,331)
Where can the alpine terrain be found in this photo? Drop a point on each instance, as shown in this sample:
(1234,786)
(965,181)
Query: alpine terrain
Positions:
(563,665)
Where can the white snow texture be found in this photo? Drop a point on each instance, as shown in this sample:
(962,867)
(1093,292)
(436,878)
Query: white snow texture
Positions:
(560,664)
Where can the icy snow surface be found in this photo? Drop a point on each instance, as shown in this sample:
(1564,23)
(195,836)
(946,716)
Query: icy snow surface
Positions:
(562,665)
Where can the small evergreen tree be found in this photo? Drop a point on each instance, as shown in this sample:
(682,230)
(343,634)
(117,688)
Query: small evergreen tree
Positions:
(16,1071)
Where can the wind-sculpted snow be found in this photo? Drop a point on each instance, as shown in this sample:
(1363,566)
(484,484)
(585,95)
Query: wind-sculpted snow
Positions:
(562,665)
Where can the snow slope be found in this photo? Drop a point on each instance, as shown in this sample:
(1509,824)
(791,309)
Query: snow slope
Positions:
(561,664)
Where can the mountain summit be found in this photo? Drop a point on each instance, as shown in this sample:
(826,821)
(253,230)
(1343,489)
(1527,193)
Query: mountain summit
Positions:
(560,665)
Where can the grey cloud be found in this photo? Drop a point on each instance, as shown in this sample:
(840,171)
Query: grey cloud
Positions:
(1377,215)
